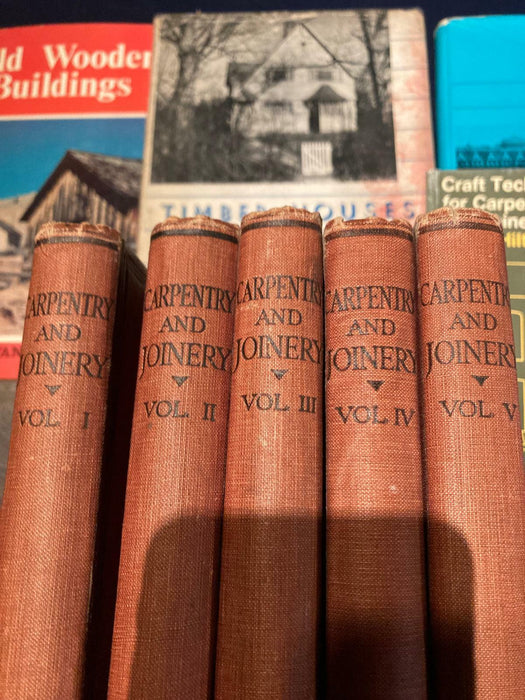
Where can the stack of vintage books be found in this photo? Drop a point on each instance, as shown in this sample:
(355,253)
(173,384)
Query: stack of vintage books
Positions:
(325,489)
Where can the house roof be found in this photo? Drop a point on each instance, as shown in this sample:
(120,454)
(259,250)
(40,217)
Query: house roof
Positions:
(299,48)
(326,93)
(114,178)
(330,53)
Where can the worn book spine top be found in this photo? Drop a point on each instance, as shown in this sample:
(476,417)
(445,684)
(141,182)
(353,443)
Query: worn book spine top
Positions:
(270,566)
(51,499)
(472,447)
(375,596)
(165,622)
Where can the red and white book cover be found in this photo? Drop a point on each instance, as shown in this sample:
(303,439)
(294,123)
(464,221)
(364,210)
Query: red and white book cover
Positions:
(73,99)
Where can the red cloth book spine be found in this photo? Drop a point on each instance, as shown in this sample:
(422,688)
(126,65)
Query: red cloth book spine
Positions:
(166,615)
(375,578)
(67,464)
(271,559)
(473,456)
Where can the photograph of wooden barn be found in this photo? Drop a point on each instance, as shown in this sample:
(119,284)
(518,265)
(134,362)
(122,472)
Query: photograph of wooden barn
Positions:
(14,270)
(274,97)
(12,237)
(89,187)
(83,186)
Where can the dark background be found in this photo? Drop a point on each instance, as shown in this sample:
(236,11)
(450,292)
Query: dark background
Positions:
(15,12)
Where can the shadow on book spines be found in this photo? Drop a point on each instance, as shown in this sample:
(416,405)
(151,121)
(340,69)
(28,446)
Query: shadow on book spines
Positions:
(113,478)
(369,655)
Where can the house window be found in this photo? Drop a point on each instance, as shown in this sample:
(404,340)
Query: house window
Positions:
(277,73)
(324,74)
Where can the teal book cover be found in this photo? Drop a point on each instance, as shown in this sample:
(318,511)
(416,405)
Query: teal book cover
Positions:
(480,95)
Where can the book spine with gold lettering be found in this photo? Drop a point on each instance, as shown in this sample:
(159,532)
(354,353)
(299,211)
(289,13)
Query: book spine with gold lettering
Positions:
(67,463)
(269,607)
(166,613)
(473,456)
(375,579)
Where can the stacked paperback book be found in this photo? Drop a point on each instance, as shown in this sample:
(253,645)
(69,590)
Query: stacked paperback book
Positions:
(318,491)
